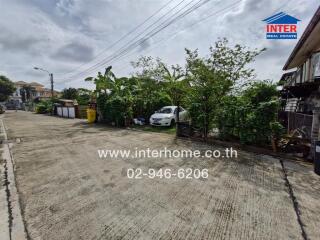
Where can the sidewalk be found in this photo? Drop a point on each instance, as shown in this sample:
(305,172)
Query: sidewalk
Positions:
(11,222)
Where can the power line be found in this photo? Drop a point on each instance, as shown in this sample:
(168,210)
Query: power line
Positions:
(123,37)
(228,7)
(151,33)
(129,43)
(139,33)
(124,52)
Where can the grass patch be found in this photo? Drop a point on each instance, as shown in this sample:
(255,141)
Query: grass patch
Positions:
(148,128)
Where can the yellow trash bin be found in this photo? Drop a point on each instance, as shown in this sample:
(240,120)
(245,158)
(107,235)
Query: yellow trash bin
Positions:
(91,115)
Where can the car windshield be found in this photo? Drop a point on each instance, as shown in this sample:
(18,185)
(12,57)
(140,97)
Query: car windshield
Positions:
(165,110)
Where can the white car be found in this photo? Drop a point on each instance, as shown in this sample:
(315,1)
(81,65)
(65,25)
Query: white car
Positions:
(166,116)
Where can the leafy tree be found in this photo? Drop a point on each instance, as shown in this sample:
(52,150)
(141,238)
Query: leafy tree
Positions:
(232,62)
(260,91)
(212,78)
(69,93)
(251,116)
(7,88)
(169,82)
(114,98)
(103,82)
(26,93)
(83,96)
(208,86)
(149,68)
(152,80)
(175,83)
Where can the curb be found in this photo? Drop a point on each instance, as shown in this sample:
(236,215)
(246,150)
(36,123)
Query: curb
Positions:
(15,224)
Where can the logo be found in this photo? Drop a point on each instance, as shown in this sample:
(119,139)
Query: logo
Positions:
(281,26)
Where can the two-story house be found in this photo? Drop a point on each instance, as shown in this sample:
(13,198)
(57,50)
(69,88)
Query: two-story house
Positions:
(35,91)
(301,92)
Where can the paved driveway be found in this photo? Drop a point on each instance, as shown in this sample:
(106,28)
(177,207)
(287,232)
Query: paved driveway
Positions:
(68,192)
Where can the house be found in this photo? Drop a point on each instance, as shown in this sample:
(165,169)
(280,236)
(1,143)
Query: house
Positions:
(35,91)
(301,93)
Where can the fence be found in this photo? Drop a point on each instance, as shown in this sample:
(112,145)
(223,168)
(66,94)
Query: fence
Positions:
(294,120)
(81,111)
(185,129)
(67,112)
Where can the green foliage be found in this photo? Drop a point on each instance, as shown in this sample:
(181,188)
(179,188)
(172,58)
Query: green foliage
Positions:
(114,97)
(214,77)
(260,92)
(158,85)
(103,82)
(277,129)
(69,93)
(26,93)
(84,96)
(44,107)
(250,116)
(6,88)
(115,110)
(214,89)
(231,62)
(145,107)
(170,80)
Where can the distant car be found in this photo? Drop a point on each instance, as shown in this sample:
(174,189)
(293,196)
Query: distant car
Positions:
(10,106)
(166,116)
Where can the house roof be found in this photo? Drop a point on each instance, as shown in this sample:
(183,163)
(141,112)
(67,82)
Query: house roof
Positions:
(281,18)
(36,84)
(20,83)
(308,43)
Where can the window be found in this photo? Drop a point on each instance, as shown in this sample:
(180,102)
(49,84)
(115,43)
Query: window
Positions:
(315,65)
(165,110)
(298,75)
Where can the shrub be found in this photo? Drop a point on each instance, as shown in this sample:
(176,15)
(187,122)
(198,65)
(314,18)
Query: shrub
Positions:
(115,109)
(277,129)
(44,107)
(251,116)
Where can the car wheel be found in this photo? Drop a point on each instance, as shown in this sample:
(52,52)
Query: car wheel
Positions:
(173,122)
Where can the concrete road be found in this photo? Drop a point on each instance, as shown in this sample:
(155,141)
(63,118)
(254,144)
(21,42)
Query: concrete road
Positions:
(68,192)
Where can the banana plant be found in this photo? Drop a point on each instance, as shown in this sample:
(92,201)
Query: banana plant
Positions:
(103,82)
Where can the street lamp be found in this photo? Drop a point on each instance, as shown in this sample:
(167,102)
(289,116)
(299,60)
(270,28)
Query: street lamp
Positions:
(51,81)
(51,78)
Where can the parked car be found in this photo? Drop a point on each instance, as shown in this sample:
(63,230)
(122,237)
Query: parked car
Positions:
(10,105)
(1,109)
(166,116)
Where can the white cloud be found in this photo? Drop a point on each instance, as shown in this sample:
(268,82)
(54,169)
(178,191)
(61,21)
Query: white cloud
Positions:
(50,33)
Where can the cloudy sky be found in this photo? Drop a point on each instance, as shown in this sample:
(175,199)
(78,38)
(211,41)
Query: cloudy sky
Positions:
(75,38)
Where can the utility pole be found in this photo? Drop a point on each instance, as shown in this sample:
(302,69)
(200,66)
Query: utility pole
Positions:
(51,81)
